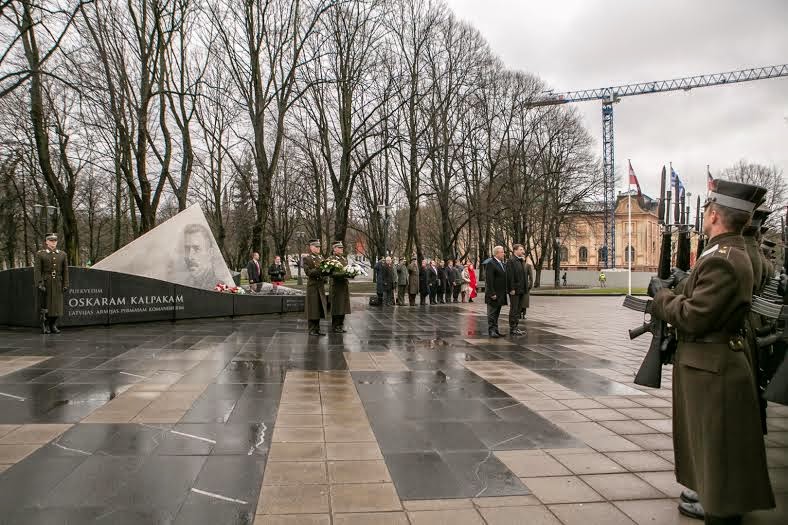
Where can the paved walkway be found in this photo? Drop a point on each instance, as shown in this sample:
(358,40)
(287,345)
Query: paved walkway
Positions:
(412,417)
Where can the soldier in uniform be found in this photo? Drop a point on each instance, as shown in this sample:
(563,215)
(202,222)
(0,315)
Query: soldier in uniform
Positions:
(718,444)
(339,294)
(752,241)
(315,288)
(51,276)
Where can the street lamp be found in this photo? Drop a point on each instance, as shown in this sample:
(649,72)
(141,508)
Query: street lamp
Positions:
(383,209)
(300,236)
(46,214)
(557,259)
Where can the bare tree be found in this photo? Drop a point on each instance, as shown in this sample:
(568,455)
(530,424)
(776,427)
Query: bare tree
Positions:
(770,177)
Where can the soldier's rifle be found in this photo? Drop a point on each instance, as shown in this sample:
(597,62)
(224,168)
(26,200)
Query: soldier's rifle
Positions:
(662,345)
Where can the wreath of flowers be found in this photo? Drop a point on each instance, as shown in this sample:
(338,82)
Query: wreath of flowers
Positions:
(336,268)
(221,287)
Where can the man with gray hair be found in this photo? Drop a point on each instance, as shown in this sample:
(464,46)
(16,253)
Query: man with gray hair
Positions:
(495,294)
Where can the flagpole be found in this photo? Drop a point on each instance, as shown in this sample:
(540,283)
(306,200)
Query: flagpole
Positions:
(629,249)
(629,241)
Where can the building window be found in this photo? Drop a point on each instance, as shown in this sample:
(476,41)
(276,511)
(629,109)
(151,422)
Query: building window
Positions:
(583,254)
(629,254)
(564,253)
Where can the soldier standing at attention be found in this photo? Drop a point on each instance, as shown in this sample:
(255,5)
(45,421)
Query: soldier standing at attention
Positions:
(315,288)
(719,447)
(51,275)
(339,294)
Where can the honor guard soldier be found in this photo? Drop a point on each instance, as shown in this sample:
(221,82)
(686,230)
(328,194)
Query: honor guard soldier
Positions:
(339,294)
(315,288)
(718,443)
(51,277)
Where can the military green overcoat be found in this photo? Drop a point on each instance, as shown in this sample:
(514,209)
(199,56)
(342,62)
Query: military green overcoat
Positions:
(339,293)
(315,288)
(50,270)
(717,439)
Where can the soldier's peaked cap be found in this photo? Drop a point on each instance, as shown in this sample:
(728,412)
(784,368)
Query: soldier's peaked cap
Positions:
(338,244)
(736,195)
(768,243)
(51,236)
(314,242)
(760,214)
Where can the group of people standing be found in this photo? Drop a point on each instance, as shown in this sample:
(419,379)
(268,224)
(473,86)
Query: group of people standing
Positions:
(434,282)
(276,272)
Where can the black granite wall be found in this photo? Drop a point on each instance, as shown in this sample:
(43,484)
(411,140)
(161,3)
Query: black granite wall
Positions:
(98,297)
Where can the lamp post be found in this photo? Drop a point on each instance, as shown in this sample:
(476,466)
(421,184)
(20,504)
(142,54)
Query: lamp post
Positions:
(300,236)
(383,209)
(47,211)
(557,259)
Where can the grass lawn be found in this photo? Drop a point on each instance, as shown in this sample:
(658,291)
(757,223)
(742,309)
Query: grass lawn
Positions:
(587,291)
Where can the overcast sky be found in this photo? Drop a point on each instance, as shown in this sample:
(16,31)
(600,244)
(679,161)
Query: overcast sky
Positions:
(577,44)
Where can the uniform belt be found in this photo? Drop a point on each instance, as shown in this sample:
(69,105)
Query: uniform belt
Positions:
(708,339)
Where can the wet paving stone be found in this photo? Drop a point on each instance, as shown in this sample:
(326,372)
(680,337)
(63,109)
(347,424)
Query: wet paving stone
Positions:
(175,423)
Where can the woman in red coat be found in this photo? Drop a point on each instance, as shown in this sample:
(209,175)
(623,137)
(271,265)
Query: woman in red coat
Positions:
(472,274)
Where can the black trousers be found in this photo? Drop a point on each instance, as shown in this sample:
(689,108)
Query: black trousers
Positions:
(424,294)
(314,325)
(457,288)
(412,299)
(515,307)
(448,292)
(337,321)
(493,312)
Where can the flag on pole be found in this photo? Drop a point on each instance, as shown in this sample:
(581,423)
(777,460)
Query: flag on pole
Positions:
(709,179)
(676,182)
(633,179)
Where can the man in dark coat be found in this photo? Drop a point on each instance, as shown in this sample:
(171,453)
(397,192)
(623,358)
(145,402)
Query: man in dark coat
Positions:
(495,291)
(442,282)
(254,273)
(389,281)
(424,287)
(717,439)
(277,272)
(315,288)
(339,293)
(50,270)
(448,271)
(414,279)
(456,281)
(433,281)
(517,286)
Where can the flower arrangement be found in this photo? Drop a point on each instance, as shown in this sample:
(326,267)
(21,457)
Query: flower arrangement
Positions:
(221,287)
(332,266)
(335,268)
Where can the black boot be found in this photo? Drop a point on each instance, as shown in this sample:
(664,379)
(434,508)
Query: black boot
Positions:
(53,325)
(44,322)
(692,510)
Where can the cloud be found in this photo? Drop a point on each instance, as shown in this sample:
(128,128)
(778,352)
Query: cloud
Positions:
(577,44)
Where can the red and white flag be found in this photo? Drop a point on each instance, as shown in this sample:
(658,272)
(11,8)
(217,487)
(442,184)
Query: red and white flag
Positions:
(633,179)
(709,179)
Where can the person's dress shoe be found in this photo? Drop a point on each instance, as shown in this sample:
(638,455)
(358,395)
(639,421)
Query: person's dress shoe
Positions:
(53,327)
(339,330)
(689,496)
(516,331)
(494,334)
(692,510)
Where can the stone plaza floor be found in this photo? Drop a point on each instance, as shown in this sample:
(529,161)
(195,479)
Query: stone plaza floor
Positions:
(414,416)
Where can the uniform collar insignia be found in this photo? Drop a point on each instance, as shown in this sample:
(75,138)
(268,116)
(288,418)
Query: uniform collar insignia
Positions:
(710,250)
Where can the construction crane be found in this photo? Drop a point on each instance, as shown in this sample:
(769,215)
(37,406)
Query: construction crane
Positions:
(613,94)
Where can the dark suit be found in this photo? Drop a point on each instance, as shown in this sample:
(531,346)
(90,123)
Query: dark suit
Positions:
(516,280)
(255,277)
(388,280)
(433,282)
(442,284)
(424,287)
(495,292)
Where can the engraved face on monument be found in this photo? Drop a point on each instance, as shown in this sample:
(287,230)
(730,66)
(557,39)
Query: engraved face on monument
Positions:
(180,250)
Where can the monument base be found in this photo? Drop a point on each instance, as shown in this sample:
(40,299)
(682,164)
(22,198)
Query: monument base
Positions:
(99,297)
